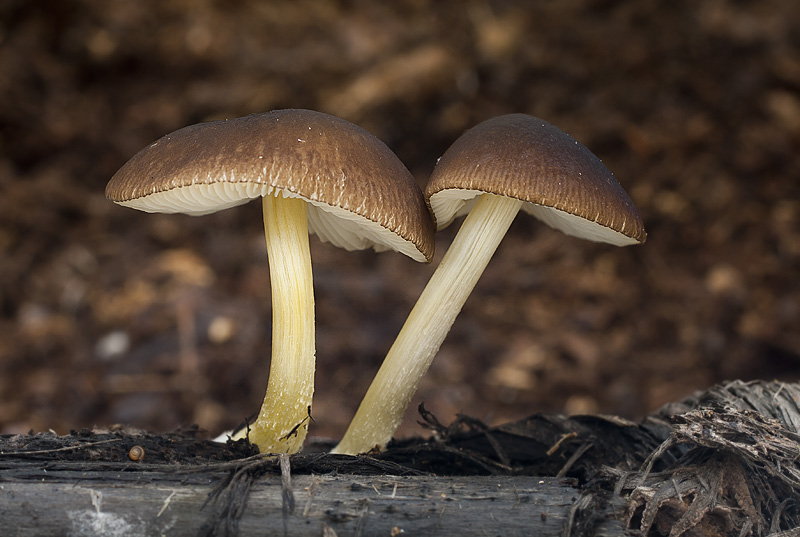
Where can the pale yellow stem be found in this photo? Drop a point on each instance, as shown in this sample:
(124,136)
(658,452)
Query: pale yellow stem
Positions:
(382,408)
(283,420)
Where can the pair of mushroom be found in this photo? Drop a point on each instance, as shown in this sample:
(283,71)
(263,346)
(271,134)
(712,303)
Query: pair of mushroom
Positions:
(320,173)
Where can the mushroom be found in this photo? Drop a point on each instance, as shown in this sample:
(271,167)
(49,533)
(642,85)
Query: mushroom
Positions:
(492,171)
(313,172)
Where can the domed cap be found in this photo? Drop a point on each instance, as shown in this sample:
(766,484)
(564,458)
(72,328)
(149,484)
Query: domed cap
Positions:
(360,195)
(561,182)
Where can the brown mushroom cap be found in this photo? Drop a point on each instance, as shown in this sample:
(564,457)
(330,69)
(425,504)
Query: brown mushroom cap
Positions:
(360,195)
(561,182)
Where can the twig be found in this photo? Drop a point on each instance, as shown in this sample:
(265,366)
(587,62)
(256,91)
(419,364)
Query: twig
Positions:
(67,448)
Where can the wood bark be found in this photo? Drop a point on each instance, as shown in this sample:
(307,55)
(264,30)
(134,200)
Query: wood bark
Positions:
(339,505)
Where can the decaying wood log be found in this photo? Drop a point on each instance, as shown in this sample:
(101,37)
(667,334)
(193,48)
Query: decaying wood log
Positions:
(724,462)
(346,505)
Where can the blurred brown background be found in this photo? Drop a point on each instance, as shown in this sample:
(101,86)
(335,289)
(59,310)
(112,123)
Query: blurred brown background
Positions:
(109,315)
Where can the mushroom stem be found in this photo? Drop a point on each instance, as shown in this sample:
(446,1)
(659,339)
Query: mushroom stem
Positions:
(283,420)
(382,408)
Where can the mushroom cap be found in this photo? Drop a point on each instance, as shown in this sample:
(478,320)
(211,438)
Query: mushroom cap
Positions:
(360,195)
(561,182)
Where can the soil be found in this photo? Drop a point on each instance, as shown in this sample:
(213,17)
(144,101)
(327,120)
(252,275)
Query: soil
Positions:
(110,316)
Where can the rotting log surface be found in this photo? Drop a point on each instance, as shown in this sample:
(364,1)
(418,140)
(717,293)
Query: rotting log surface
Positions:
(350,505)
(721,463)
